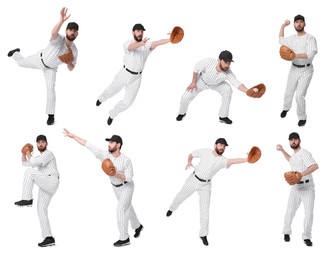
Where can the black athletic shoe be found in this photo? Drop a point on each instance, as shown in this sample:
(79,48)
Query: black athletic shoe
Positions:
(98,102)
(169,213)
(301,122)
(284,113)
(122,243)
(23,203)
(48,241)
(10,54)
(180,117)
(225,120)
(204,240)
(110,121)
(138,231)
(286,238)
(308,242)
(50,120)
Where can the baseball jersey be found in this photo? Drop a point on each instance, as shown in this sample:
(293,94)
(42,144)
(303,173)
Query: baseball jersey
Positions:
(45,163)
(300,161)
(301,44)
(122,163)
(209,164)
(55,48)
(135,60)
(206,68)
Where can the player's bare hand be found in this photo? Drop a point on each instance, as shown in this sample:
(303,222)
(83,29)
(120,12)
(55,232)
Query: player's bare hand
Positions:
(192,86)
(67,133)
(286,23)
(279,147)
(188,166)
(63,14)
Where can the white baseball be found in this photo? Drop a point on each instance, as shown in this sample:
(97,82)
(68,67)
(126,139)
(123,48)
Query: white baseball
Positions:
(255,90)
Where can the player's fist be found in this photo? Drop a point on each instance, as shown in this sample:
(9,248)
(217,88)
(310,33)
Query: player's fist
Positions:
(286,23)
(279,147)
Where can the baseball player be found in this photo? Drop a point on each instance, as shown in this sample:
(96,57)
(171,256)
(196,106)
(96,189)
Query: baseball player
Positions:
(48,61)
(211,161)
(122,183)
(129,76)
(301,161)
(212,74)
(46,177)
(301,70)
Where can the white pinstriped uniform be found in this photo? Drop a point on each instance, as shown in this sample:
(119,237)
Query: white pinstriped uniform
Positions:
(50,55)
(134,61)
(210,78)
(305,193)
(125,210)
(208,166)
(46,177)
(299,78)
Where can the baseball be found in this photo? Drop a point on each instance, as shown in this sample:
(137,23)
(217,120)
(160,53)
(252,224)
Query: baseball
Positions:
(255,90)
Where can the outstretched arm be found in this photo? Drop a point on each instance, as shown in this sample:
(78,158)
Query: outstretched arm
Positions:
(76,138)
(133,46)
(63,18)
(285,154)
(158,43)
(236,161)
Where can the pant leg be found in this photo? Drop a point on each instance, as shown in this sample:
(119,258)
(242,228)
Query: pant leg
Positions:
(225,91)
(44,199)
(32,62)
(124,195)
(131,90)
(291,88)
(204,202)
(118,83)
(293,204)
(308,198)
(302,87)
(190,186)
(50,79)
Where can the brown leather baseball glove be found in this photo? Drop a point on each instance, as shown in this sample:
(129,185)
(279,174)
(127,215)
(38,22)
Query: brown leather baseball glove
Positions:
(108,167)
(286,53)
(67,57)
(176,35)
(254,154)
(256,91)
(293,177)
(27,147)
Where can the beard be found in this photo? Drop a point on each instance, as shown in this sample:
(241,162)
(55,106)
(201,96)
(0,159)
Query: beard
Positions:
(294,146)
(299,29)
(71,37)
(41,148)
(223,68)
(112,150)
(138,38)
(219,152)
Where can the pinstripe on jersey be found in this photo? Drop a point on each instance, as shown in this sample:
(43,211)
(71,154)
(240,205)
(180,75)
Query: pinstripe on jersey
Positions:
(46,177)
(299,78)
(125,210)
(210,78)
(134,61)
(305,193)
(50,55)
(208,166)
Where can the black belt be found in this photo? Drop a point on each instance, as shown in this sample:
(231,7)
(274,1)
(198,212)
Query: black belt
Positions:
(301,182)
(302,66)
(41,55)
(119,185)
(201,179)
(132,72)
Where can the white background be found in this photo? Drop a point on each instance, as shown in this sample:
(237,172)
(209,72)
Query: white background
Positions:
(248,201)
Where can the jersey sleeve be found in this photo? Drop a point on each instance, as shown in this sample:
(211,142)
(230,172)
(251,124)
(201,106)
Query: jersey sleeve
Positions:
(231,77)
(40,160)
(200,66)
(99,153)
(58,40)
(308,159)
(128,171)
(311,48)
(126,44)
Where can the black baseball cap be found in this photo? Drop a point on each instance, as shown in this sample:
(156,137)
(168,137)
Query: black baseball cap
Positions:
(72,25)
(299,17)
(226,56)
(221,141)
(115,138)
(41,138)
(138,26)
(294,135)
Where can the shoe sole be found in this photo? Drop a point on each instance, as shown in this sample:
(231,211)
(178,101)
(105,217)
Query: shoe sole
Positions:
(23,205)
(126,244)
(221,121)
(52,244)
